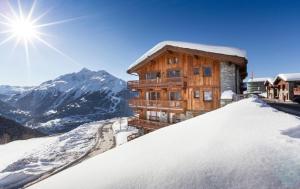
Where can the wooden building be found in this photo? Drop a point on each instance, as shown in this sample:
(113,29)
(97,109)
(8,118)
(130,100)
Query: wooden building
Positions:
(179,80)
(284,87)
(256,85)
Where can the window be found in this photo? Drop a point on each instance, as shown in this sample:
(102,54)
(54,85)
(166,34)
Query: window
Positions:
(207,71)
(196,94)
(154,96)
(207,96)
(172,60)
(152,75)
(175,95)
(196,71)
(174,73)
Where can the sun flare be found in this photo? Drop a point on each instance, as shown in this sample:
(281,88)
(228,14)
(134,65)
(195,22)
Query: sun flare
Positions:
(24,29)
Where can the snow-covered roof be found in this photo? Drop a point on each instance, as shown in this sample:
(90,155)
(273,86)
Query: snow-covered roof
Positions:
(259,79)
(243,145)
(289,76)
(207,48)
(284,77)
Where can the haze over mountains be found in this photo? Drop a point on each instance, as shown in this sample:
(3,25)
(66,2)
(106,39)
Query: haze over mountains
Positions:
(63,103)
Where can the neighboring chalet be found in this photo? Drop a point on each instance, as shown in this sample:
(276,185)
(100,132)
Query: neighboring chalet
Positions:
(256,85)
(179,80)
(285,87)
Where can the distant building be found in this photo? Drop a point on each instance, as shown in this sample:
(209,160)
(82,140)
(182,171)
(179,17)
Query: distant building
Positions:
(284,87)
(256,85)
(179,80)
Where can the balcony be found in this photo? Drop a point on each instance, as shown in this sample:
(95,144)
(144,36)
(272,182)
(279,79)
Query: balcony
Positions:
(147,125)
(297,91)
(178,105)
(159,82)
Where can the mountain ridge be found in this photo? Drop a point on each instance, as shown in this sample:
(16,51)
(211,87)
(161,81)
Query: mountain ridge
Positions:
(72,99)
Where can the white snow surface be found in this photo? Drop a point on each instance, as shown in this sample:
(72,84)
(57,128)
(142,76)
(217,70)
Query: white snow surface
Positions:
(26,159)
(289,76)
(207,48)
(259,79)
(122,131)
(246,145)
(227,95)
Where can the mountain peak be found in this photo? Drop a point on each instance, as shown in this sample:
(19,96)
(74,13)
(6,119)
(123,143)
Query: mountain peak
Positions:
(84,70)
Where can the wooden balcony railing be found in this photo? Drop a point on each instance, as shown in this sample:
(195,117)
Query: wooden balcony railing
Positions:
(159,82)
(146,124)
(297,91)
(158,104)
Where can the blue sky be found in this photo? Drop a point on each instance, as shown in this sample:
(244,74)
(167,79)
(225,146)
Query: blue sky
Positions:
(110,35)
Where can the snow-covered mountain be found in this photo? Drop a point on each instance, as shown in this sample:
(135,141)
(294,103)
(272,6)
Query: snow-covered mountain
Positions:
(246,145)
(63,103)
(11,112)
(7,92)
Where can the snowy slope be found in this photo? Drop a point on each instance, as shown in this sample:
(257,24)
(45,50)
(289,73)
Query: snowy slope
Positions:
(27,159)
(243,145)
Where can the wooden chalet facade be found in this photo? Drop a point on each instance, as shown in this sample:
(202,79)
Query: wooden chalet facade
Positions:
(285,87)
(180,80)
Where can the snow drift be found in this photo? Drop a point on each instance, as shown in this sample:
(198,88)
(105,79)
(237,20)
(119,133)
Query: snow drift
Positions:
(25,160)
(243,145)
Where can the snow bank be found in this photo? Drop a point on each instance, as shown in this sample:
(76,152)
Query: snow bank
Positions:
(122,131)
(227,95)
(264,95)
(25,160)
(246,145)
(207,48)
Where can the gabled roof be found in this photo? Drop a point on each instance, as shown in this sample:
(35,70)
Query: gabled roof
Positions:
(222,50)
(284,77)
(289,76)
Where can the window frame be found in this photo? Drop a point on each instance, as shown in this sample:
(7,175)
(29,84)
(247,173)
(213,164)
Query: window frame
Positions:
(170,70)
(204,71)
(198,71)
(175,92)
(204,96)
(196,96)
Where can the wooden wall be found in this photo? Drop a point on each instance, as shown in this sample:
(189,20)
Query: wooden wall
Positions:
(187,63)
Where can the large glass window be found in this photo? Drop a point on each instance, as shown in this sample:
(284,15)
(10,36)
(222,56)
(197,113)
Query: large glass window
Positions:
(173,73)
(208,96)
(154,95)
(175,95)
(207,71)
(152,75)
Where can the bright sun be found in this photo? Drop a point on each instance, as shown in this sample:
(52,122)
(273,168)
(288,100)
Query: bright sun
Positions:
(24,29)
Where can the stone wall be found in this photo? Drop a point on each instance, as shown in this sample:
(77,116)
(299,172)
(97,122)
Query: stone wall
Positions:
(228,77)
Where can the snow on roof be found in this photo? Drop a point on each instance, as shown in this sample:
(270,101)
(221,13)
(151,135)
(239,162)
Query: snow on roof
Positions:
(227,95)
(207,48)
(246,145)
(259,79)
(289,76)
